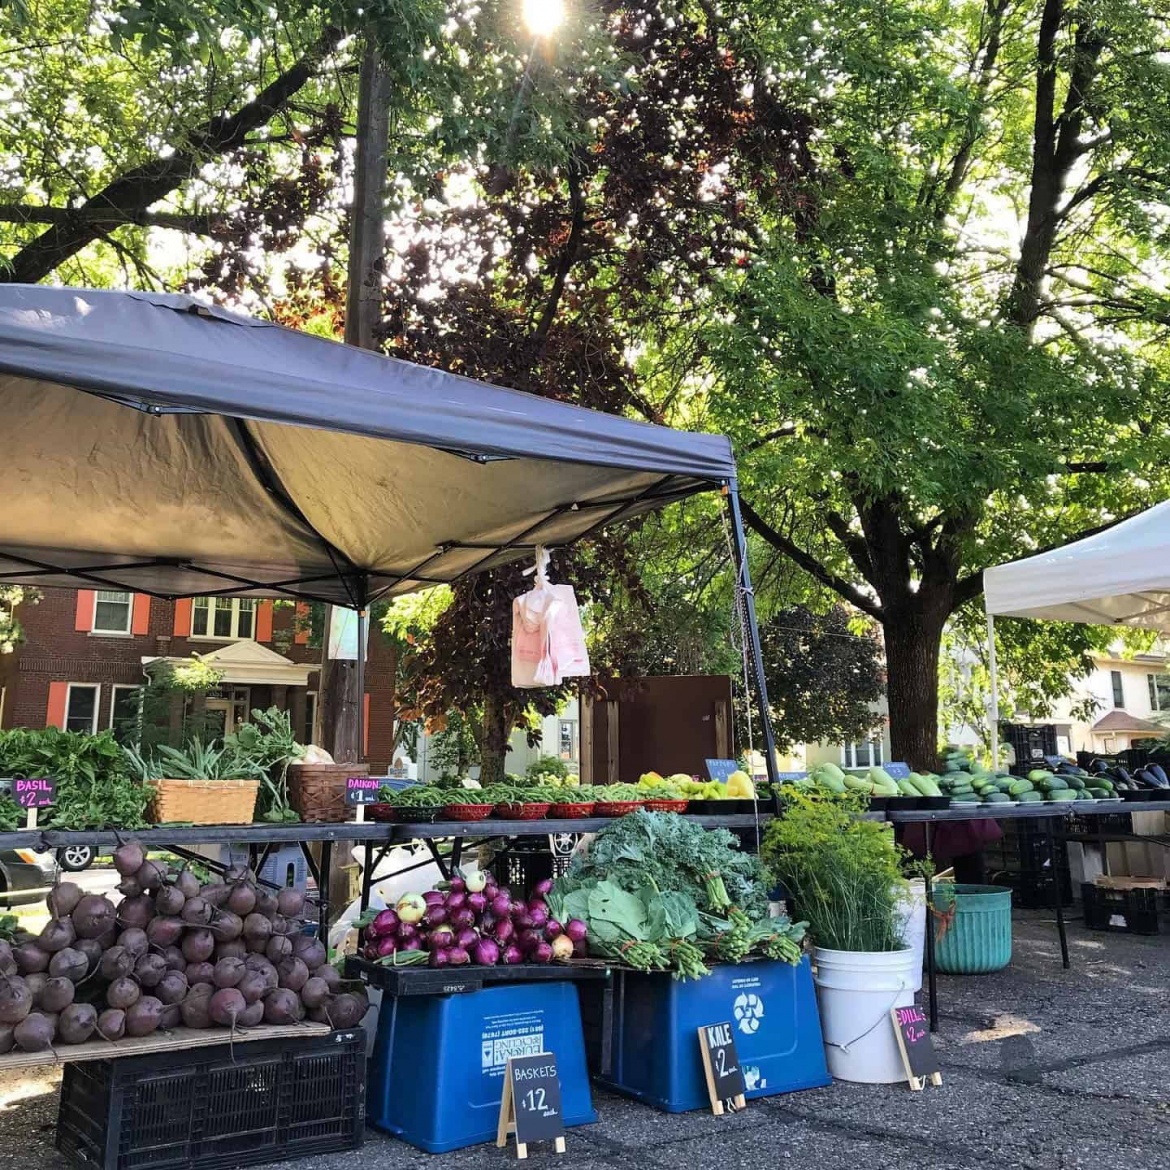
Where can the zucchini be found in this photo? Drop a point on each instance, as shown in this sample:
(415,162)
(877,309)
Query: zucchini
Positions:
(1030,797)
(1063,794)
(1018,787)
(996,797)
(966,798)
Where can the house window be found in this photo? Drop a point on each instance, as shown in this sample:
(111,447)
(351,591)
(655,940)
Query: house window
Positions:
(1118,688)
(81,707)
(126,713)
(310,716)
(568,739)
(865,754)
(223,617)
(112,611)
(1159,691)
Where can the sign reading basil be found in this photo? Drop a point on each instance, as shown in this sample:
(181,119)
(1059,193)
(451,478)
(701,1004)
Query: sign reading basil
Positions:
(39,792)
(531,1105)
(721,1066)
(362,789)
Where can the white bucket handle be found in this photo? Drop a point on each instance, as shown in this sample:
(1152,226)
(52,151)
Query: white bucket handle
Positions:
(884,1016)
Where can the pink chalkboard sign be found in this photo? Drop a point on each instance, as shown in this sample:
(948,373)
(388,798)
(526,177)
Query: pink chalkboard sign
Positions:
(362,789)
(38,792)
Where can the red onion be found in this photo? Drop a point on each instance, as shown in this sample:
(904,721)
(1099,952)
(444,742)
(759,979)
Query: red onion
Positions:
(370,951)
(435,915)
(539,919)
(491,891)
(528,941)
(466,938)
(504,930)
(512,955)
(517,907)
(438,959)
(576,929)
(522,921)
(501,907)
(477,903)
(543,888)
(387,946)
(440,939)
(485,952)
(406,934)
(458,957)
(457,885)
(385,923)
(552,928)
(487,923)
(461,918)
(456,900)
(580,947)
(535,904)
(541,953)
(434,897)
(506,891)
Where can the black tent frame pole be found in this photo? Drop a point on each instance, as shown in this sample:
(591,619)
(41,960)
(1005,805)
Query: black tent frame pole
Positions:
(739,547)
(363,623)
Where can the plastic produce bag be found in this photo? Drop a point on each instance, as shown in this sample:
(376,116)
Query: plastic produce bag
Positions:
(548,643)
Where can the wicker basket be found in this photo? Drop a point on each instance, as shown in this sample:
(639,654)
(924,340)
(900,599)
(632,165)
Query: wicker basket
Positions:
(203,802)
(317,791)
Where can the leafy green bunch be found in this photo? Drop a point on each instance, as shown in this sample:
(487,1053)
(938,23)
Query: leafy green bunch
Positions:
(844,873)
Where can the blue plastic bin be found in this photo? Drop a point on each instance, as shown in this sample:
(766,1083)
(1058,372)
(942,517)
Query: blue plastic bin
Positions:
(655,1032)
(437,1072)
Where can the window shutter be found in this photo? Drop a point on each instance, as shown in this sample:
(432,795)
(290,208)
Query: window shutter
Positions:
(301,637)
(264,621)
(182,628)
(58,696)
(366,724)
(83,620)
(140,619)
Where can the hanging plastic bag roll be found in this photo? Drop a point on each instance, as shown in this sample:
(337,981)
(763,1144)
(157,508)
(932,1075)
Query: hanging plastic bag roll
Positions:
(548,642)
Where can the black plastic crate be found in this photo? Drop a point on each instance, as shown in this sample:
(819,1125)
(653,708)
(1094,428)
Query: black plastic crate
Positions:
(1085,825)
(1030,743)
(520,868)
(404,981)
(1036,872)
(1129,911)
(215,1108)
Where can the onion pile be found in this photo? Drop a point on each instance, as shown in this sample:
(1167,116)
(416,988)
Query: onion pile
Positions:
(473,920)
(173,951)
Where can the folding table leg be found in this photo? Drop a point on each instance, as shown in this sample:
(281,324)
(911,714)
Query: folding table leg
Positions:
(1058,888)
(931,983)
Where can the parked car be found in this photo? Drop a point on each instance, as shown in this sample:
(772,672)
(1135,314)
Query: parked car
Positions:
(25,876)
(74,858)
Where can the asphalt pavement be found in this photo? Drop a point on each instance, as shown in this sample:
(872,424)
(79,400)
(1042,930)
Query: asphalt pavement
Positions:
(1043,1069)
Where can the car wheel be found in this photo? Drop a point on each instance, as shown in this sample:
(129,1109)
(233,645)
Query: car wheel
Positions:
(76,857)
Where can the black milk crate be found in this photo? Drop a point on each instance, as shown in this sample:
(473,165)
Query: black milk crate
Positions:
(1130,911)
(1089,825)
(1024,861)
(403,981)
(1030,743)
(215,1108)
(529,860)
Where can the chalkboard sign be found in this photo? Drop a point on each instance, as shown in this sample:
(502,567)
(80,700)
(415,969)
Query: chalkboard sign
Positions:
(721,769)
(531,1105)
(784,777)
(362,789)
(897,770)
(918,1056)
(721,1065)
(35,793)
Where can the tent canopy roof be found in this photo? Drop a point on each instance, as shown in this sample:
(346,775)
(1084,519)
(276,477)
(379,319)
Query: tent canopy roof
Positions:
(157,444)
(1117,577)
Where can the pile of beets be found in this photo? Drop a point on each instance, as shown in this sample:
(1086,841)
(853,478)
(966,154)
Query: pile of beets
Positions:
(172,951)
(472,920)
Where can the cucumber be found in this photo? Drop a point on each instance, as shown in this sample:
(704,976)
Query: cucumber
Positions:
(1054,784)
(997,797)
(1076,782)
(962,790)
(1029,797)
(1018,787)
(1100,793)
(1038,774)
(1063,794)
(1005,785)
(966,798)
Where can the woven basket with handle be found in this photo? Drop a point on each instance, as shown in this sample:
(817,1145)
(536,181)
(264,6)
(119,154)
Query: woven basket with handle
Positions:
(203,802)
(317,791)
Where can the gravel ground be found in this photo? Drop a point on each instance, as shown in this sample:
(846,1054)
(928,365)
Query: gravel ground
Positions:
(1044,1069)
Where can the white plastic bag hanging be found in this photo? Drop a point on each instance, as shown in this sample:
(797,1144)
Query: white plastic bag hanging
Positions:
(548,643)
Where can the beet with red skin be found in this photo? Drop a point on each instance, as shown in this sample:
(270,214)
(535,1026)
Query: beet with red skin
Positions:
(129,858)
(77,1023)
(92,950)
(111,1024)
(227,926)
(330,974)
(290,902)
(149,971)
(144,1016)
(278,948)
(134,939)
(7,1039)
(200,972)
(36,984)
(198,945)
(253,986)
(281,1006)
(128,887)
(62,899)
(56,995)
(225,1007)
(30,958)
(57,934)
(123,993)
(241,901)
(197,911)
(252,1015)
(345,1011)
(174,958)
(116,962)
(265,902)
(228,972)
(238,873)
(93,916)
(150,877)
(136,911)
(215,895)
(315,992)
(70,963)
(235,949)
(169,901)
(187,883)
(171,988)
(293,973)
(16,999)
(194,1006)
(35,1032)
(257,928)
(170,1017)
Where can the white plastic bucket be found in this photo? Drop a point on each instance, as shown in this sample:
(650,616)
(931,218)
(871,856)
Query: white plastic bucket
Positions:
(911,911)
(855,991)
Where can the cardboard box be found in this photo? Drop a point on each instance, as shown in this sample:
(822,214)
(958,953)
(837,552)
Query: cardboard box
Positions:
(1107,882)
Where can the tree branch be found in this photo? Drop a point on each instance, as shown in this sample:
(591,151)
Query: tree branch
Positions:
(809,563)
(139,188)
(565,260)
(770,437)
(201,224)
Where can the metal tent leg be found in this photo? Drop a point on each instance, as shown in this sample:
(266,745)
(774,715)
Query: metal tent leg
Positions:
(739,544)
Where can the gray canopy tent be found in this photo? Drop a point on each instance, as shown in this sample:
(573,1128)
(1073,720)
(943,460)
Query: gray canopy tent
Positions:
(157,444)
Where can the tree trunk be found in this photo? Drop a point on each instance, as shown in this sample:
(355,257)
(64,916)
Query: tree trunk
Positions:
(493,748)
(913,641)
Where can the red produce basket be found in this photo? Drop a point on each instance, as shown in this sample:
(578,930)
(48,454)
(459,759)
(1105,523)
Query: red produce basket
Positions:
(572,810)
(467,812)
(616,808)
(674,806)
(532,810)
(381,812)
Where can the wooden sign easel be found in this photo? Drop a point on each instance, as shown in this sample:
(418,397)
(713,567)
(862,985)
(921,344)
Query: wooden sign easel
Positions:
(725,1080)
(918,1056)
(540,1117)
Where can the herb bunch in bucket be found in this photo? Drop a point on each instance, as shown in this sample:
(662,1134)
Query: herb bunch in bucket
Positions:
(843,873)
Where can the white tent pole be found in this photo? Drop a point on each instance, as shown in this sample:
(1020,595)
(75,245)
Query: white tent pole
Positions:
(994,693)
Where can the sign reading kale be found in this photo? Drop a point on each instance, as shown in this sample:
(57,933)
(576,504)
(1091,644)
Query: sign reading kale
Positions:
(725,1080)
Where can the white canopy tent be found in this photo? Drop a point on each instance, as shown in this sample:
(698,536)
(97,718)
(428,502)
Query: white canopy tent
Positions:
(1119,577)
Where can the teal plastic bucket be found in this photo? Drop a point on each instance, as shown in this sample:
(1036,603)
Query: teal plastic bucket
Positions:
(979,937)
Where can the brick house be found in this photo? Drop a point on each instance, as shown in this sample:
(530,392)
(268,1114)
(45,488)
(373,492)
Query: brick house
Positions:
(85,653)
